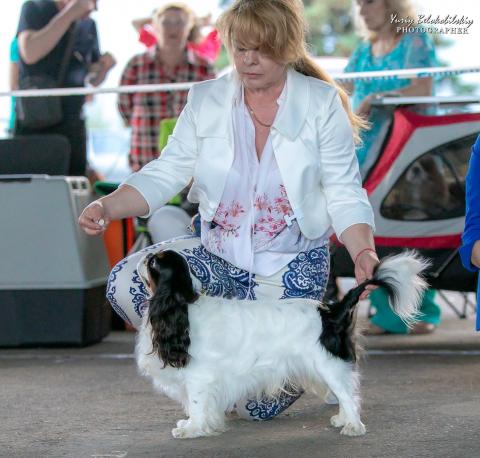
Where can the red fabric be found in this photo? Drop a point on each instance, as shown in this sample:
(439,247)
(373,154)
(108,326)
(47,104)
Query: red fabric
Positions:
(147,37)
(209,48)
(427,243)
(142,111)
(405,122)
(402,131)
(434,242)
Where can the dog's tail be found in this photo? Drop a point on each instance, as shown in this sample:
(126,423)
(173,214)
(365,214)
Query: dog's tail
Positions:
(401,278)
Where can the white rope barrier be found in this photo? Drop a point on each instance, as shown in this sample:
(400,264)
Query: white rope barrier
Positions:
(147,88)
(382,101)
(144,88)
(409,73)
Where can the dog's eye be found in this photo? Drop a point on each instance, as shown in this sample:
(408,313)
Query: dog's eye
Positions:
(151,261)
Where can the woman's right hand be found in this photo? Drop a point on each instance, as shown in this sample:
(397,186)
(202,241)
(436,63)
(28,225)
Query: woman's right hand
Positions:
(94,219)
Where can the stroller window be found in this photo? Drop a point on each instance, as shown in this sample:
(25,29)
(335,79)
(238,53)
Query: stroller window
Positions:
(433,186)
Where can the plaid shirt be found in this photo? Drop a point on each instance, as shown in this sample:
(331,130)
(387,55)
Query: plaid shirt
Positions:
(143,112)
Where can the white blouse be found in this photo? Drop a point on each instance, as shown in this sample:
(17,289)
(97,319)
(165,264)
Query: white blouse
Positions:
(253,227)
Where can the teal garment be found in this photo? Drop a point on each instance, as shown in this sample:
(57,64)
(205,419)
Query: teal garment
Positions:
(414,50)
(385,318)
(15,58)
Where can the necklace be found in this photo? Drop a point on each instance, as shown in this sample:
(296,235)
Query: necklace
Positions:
(255,117)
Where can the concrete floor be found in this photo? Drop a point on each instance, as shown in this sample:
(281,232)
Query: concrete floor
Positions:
(421,398)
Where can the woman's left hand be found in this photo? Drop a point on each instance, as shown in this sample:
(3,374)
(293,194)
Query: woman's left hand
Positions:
(364,265)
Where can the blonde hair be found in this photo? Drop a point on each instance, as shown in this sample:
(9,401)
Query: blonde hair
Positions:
(176,6)
(278,28)
(402,8)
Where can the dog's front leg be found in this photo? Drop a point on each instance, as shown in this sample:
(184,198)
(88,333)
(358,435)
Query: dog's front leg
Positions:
(206,417)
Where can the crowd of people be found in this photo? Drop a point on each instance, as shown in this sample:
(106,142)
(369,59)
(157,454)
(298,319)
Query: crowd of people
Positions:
(263,217)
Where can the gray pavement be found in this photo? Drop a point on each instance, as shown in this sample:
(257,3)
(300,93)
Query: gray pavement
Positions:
(421,398)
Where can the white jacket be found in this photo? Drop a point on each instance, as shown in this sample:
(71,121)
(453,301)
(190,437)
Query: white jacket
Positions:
(313,145)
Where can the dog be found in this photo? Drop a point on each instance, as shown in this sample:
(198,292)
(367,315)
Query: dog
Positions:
(209,352)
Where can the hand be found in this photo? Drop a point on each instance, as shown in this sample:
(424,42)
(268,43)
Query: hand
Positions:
(476,254)
(80,9)
(365,106)
(94,219)
(364,265)
(98,71)
(107,61)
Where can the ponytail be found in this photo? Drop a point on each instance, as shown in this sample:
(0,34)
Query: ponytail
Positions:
(308,67)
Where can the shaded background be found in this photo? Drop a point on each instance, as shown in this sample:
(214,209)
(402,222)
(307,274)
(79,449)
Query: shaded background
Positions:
(332,33)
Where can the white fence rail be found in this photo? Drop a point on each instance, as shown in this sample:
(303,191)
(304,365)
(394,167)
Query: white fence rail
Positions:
(145,88)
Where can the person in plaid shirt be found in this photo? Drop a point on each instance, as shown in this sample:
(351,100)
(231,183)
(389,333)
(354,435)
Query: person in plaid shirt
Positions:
(168,62)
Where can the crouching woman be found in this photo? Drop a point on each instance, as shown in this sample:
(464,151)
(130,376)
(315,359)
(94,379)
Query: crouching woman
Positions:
(270,150)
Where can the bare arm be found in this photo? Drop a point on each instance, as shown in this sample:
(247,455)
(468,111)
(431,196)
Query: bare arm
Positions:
(13,76)
(358,240)
(34,45)
(419,87)
(126,201)
(139,23)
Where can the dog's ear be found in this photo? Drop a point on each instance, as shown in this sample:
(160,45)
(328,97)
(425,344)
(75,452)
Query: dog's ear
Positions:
(168,309)
(182,281)
(147,275)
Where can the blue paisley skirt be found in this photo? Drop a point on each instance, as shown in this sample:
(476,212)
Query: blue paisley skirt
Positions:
(305,277)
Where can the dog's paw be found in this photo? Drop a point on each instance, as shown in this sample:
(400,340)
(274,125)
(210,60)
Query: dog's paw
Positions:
(182,423)
(186,433)
(351,429)
(337,421)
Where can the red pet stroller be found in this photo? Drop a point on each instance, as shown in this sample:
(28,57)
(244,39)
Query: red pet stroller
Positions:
(416,185)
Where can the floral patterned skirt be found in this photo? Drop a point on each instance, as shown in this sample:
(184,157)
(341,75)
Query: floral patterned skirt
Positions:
(305,276)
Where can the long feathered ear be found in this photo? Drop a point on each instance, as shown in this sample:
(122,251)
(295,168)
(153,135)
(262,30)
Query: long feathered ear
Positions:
(168,308)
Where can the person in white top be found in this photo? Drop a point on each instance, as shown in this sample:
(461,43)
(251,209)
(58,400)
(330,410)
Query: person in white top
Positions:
(270,150)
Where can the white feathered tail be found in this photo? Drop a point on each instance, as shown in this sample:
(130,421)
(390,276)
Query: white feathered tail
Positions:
(403,274)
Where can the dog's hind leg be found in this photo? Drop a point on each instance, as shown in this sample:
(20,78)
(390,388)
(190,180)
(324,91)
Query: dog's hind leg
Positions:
(342,380)
(345,389)
(207,418)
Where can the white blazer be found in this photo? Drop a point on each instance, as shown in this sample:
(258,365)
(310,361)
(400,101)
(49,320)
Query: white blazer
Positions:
(313,145)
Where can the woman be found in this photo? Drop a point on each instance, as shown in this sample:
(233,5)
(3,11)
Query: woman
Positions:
(470,250)
(270,148)
(168,62)
(44,31)
(207,47)
(386,48)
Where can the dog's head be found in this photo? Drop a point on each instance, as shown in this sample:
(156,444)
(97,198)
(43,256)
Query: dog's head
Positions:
(167,278)
(169,270)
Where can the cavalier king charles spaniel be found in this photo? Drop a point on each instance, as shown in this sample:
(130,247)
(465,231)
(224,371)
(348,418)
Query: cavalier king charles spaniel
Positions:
(209,352)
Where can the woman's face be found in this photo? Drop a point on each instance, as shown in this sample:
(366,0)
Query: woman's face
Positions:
(374,13)
(172,28)
(256,70)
